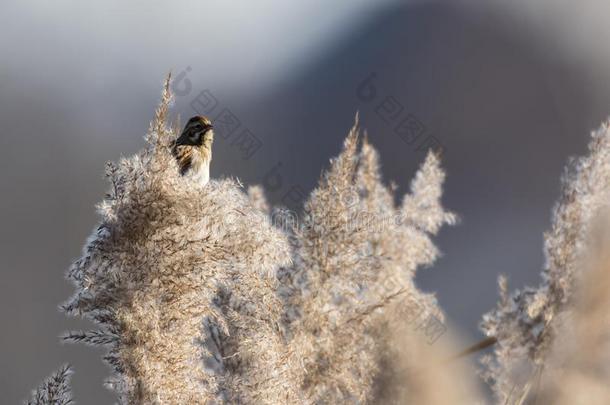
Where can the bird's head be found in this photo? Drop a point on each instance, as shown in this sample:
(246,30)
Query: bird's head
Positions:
(198,131)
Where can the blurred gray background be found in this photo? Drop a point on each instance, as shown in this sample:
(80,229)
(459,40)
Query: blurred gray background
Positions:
(509,90)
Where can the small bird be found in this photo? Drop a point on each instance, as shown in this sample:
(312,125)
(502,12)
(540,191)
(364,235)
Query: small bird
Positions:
(193,149)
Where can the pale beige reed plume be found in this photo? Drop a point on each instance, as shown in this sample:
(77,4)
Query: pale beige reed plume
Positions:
(160,270)
(200,298)
(577,371)
(528,323)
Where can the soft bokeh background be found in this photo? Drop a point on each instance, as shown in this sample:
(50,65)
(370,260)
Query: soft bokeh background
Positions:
(509,90)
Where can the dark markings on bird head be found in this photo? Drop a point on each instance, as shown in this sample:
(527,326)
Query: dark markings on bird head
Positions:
(195,131)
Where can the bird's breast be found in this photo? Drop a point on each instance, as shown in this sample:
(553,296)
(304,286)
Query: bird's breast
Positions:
(194,162)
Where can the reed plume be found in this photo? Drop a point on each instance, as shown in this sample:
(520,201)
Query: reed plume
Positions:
(200,297)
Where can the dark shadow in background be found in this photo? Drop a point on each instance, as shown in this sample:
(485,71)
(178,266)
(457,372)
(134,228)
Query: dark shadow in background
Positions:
(506,116)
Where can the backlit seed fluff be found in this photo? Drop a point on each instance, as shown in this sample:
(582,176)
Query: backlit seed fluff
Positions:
(199,298)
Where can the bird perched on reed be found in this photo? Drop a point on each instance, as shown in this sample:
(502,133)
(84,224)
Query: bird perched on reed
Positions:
(193,149)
